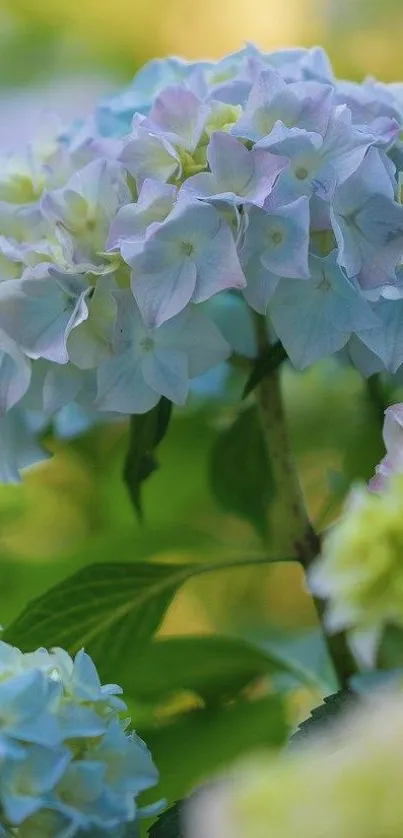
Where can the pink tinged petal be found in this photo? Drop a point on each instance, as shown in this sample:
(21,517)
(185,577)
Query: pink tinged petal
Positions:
(149,156)
(359,187)
(218,266)
(344,145)
(15,373)
(155,202)
(379,481)
(245,173)
(230,162)
(161,295)
(384,130)
(178,111)
(291,140)
(316,101)
(195,335)
(121,386)
(270,100)
(393,432)
(202,185)
(166,371)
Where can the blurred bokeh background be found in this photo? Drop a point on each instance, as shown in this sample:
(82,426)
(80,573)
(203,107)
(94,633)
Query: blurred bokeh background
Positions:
(73,510)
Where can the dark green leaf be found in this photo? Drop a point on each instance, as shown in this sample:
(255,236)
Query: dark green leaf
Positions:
(146,432)
(264,365)
(390,654)
(199,743)
(333,706)
(104,608)
(168,824)
(214,667)
(240,471)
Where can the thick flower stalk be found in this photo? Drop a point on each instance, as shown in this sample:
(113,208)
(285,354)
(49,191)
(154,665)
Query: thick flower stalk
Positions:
(68,764)
(260,176)
(344,783)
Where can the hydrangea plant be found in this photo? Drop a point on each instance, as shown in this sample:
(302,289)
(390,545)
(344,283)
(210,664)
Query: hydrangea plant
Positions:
(212,216)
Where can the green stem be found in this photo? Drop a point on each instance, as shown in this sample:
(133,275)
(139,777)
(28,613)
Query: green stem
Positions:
(376,396)
(301,539)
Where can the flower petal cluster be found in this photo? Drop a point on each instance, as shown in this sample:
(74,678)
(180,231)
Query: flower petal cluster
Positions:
(360,572)
(344,782)
(260,176)
(68,764)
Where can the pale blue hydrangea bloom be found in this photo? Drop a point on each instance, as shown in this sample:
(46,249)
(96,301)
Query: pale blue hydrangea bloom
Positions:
(149,362)
(188,258)
(315,318)
(261,176)
(68,762)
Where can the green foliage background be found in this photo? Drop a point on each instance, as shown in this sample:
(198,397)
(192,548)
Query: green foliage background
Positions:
(202,656)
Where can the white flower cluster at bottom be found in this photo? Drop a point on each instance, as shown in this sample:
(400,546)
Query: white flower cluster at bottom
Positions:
(68,765)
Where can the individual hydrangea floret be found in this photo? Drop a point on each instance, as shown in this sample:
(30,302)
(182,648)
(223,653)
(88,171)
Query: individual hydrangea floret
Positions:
(69,765)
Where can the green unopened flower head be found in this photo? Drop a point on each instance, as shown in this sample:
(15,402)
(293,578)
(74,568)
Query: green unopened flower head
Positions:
(360,572)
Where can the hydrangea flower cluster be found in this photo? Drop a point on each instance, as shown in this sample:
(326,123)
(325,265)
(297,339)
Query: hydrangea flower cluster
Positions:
(68,765)
(260,176)
(344,782)
(360,572)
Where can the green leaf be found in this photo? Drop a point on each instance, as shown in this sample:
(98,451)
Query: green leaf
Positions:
(304,657)
(146,432)
(106,608)
(102,607)
(168,824)
(264,365)
(333,706)
(194,746)
(214,667)
(241,477)
(390,653)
